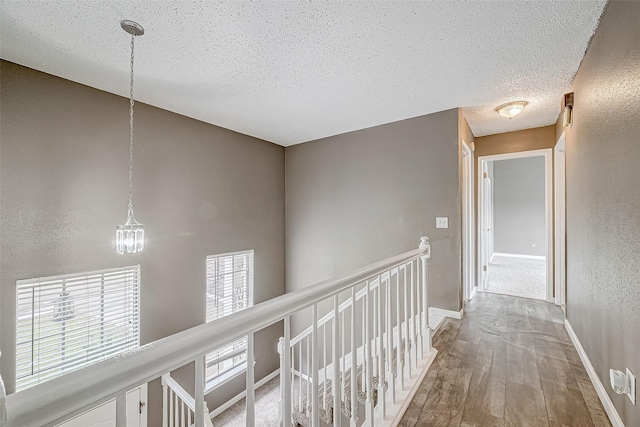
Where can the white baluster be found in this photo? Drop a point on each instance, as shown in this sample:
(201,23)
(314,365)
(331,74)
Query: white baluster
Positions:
(419,291)
(286,378)
(337,412)
(382,401)
(182,414)
(300,377)
(293,378)
(315,407)
(3,405)
(165,403)
(343,347)
(424,244)
(199,395)
(189,421)
(176,410)
(251,396)
(170,408)
(413,316)
(399,355)
(308,371)
(324,366)
(207,416)
(389,352)
(407,343)
(354,361)
(363,379)
(367,355)
(281,350)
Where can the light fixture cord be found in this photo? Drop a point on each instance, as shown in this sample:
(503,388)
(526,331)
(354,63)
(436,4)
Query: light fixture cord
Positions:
(131,131)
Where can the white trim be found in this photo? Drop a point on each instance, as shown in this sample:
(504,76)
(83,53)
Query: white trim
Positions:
(614,417)
(220,409)
(468,222)
(516,155)
(518,256)
(446,313)
(548,205)
(435,321)
(407,397)
(560,221)
(220,380)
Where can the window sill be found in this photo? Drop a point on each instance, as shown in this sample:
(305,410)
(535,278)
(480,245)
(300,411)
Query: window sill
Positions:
(217,382)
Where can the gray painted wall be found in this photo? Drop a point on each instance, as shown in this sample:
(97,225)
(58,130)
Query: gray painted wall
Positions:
(518,206)
(199,190)
(361,197)
(603,200)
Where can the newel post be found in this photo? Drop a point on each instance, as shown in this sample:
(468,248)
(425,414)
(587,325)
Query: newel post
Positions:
(426,331)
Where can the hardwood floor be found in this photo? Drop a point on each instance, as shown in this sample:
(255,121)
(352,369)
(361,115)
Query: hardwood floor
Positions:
(509,362)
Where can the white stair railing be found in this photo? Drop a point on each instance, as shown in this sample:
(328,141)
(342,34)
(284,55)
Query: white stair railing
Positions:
(356,363)
(178,407)
(59,399)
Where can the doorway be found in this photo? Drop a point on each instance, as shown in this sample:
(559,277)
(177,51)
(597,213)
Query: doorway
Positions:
(515,239)
(468,221)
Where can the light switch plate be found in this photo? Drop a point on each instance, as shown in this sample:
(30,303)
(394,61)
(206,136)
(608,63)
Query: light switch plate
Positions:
(442,222)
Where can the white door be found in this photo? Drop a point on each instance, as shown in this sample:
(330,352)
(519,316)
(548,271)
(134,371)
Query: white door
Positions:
(105,414)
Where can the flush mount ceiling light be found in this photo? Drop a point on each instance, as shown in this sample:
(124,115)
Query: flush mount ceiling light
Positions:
(130,236)
(511,109)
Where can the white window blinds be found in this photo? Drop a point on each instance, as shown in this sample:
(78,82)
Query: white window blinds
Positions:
(229,290)
(64,323)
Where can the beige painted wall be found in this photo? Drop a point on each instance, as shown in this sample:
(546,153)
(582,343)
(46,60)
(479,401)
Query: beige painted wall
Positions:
(199,190)
(361,197)
(603,200)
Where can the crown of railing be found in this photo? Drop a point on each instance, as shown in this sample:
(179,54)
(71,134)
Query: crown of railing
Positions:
(64,397)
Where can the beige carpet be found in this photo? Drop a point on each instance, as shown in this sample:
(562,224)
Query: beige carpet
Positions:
(266,408)
(521,277)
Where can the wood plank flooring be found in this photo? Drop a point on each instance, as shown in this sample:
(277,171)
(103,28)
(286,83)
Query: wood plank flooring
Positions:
(509,362)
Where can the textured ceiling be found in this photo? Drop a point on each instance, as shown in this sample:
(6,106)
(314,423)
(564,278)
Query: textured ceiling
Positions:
(290,72)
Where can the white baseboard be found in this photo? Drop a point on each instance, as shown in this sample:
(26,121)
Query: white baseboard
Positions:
(614,417)
(220,409)
(446,313)
(518,256)
(437,316)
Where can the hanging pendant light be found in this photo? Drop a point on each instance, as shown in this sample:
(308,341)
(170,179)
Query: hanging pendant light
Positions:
(130,236)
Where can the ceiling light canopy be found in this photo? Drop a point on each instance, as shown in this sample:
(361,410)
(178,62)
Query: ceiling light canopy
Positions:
(511,109)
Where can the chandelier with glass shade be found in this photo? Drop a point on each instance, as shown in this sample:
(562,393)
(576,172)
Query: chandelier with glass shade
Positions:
(130,236)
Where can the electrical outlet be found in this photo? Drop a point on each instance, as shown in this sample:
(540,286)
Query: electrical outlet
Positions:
(631,382)
(442,222)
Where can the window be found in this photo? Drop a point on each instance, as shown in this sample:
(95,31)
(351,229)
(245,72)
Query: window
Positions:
(229,290)
(65,323)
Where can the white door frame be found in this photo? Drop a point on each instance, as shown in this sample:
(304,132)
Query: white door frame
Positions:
(560,252)
(468,222)
(548,204)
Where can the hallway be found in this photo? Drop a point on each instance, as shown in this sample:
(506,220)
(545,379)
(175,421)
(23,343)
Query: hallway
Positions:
(509,362)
